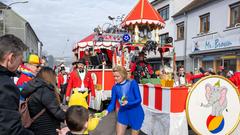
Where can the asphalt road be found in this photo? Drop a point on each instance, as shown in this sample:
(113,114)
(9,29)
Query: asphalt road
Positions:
(107,126)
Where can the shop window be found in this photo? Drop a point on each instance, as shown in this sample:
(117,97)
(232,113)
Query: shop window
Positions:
(219,63)
(207,64)
(180,31)
(205,23)
(195,65)
(163,38)
(164,12)
(235,14)
(230,64)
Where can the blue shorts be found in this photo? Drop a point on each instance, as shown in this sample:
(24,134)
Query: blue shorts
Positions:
(132,117)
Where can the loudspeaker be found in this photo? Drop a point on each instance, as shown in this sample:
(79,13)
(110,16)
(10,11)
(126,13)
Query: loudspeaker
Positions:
(169,40)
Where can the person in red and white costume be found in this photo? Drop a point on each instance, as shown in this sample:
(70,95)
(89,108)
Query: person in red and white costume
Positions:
(181,79)
(62,82)
(235,78)
(81,79)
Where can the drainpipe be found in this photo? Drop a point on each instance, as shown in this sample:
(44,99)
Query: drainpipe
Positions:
(185,39)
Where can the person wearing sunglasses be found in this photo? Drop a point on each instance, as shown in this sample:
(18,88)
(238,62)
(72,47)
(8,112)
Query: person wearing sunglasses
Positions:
(28,71)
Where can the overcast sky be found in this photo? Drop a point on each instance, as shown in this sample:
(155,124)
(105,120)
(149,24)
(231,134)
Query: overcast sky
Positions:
(61,23)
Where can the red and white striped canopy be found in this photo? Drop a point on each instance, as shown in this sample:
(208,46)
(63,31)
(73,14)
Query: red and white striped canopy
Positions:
(143,13)
(89,42)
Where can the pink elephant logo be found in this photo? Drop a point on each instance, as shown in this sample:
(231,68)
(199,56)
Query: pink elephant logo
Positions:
(216,97)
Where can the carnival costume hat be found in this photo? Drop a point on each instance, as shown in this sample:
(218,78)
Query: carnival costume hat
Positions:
(33,59)
(74,63)
(78,98)
(82,61)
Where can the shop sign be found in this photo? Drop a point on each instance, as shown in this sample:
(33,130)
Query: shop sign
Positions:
(217,43)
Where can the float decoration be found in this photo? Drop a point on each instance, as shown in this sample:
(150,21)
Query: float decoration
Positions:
(144,21)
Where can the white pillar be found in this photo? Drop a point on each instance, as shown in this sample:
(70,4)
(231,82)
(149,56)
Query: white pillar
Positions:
(157,35)
(136,34)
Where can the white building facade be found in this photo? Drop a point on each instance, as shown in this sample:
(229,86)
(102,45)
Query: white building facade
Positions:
(211,34)
(13,23)
(167,8)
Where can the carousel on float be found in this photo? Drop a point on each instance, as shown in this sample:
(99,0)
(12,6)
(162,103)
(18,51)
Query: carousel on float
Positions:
(164,104)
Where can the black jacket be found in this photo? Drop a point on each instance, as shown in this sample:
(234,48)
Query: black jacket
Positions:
(10,119)
(43,96)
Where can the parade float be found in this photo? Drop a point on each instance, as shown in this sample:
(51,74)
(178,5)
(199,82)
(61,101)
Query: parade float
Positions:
(164,105)
(98,70)
(161,101)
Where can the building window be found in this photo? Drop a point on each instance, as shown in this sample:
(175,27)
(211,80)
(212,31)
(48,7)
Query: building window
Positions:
(163,38)
(180,31)
(234,14)
(230,64)
(204,23)
(207,64)
(1,15)
(164,12)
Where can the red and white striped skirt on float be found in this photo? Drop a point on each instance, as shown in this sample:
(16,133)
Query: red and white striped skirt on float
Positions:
(164,110)
(163,98)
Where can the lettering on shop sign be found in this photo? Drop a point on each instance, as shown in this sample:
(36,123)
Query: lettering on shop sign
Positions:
(217,43)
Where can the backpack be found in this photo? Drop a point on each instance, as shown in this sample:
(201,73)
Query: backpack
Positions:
(25,115)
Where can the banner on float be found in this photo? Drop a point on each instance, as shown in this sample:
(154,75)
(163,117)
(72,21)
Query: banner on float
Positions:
(213,106)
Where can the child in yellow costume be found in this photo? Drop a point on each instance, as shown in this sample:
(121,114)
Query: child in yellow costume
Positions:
(79,99)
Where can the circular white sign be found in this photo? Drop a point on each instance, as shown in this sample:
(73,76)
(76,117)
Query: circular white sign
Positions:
(213,106)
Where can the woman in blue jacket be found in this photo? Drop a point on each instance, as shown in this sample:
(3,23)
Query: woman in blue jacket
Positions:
(127,93)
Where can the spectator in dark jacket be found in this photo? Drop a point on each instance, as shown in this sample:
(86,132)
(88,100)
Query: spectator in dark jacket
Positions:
(43,94)
(11,54)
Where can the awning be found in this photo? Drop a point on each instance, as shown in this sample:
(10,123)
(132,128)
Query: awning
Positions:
(229,57)
(89,42)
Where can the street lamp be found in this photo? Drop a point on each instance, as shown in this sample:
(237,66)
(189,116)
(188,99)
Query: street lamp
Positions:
(9,5)
(4,13)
